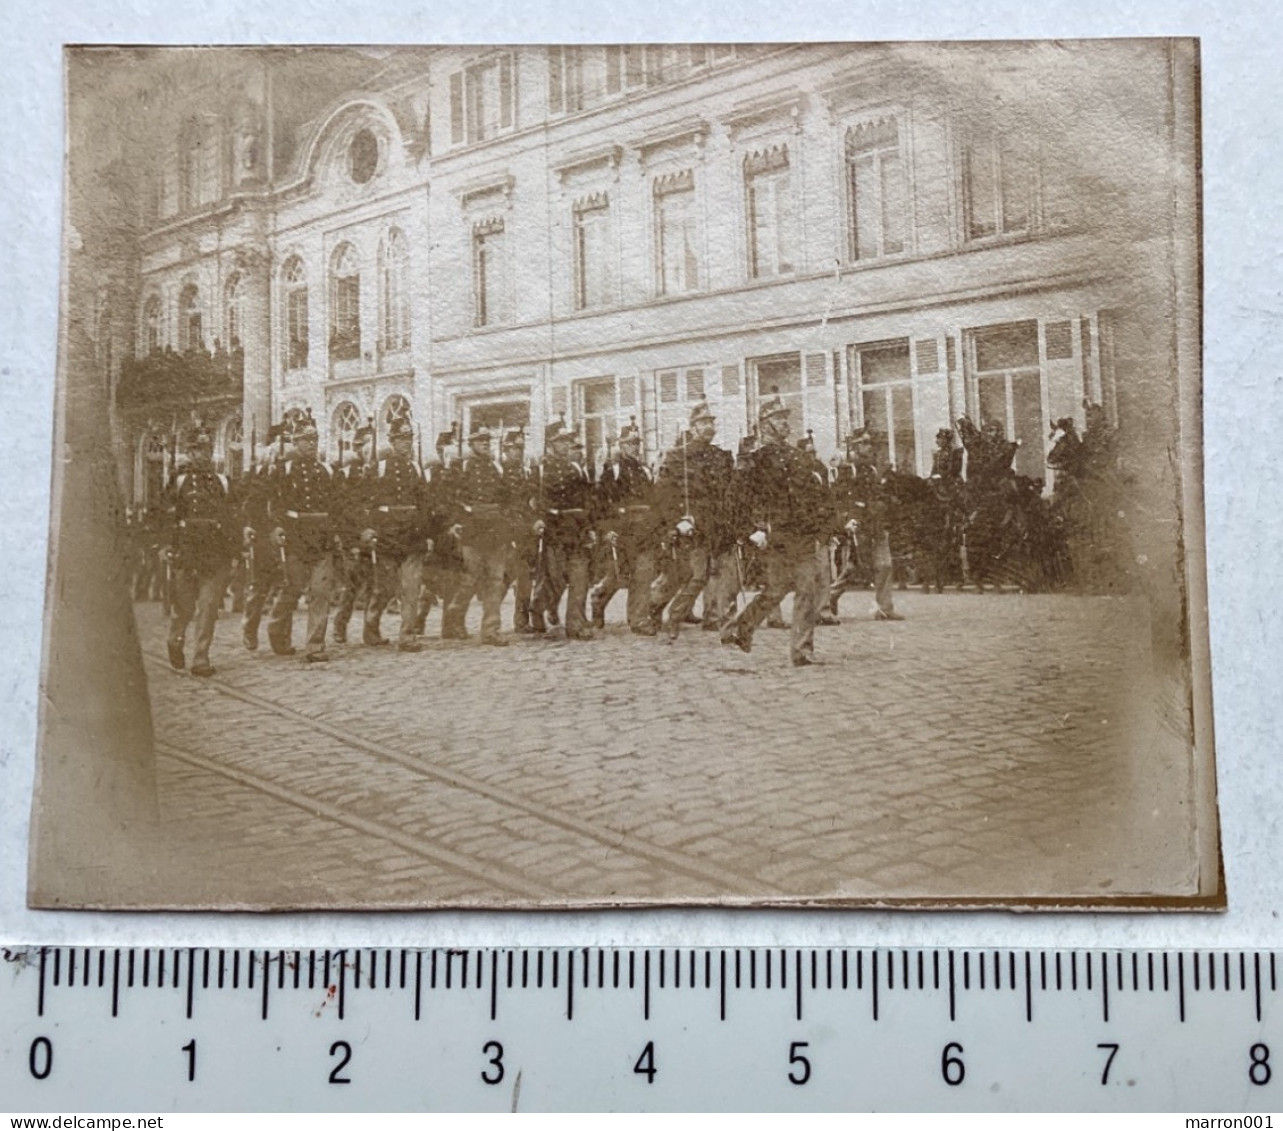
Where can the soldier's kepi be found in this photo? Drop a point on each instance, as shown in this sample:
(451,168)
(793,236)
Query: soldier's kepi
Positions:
(204,542)
(301,509)
(785,500)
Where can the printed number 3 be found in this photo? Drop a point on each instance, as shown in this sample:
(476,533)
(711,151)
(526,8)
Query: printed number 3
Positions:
(495,1051)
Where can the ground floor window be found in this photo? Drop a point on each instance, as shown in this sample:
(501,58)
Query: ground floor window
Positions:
(500,413)
(1007,388)
(886,410)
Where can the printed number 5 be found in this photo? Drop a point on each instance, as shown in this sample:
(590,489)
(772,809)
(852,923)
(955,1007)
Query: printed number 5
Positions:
(796,1057)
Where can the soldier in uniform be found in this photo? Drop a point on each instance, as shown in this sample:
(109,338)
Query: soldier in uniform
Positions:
(481,499)
(862,498)
(203,545)
(629,528)
(694,482)
(355,570)
(521,492)
(397,521)
(567,533)
(266,564)
(788,503)
(302,513)
(443,569)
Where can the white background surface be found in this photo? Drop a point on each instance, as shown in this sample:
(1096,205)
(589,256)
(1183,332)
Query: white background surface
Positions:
(1243,410)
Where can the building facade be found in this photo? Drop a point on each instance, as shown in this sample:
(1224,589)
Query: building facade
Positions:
(888,237)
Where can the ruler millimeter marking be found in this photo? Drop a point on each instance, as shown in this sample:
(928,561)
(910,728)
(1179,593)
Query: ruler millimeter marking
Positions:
(583,1027)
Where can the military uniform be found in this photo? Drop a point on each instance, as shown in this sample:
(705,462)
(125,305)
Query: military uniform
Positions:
(863,501)
(265,561)
(303,516)
(482,515)
(354,568)
(397,521)
(444,570)
(521,494)
(787,500)
(567,514)
(628,525)
(203,545)
(694,485)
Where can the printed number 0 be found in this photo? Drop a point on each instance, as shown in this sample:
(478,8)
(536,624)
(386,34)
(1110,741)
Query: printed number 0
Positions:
(951,1067)
(1260,1072)
(496,1058)
(41,1049)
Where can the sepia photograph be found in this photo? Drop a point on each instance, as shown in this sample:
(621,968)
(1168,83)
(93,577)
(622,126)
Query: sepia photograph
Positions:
(595,476)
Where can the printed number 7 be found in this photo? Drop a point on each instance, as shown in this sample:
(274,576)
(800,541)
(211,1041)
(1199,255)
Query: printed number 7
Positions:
(1113,1052)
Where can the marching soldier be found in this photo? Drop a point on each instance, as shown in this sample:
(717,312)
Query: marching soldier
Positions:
(863,499)
(567,533)
(629,530)
(302,515)
(266,567)
(695,479)
(443,569)
(204,543)
(355,570)
(397,521)
(789,509)
(481,500)
(521,490)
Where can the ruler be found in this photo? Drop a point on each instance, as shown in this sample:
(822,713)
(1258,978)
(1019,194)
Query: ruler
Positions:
(640,1029)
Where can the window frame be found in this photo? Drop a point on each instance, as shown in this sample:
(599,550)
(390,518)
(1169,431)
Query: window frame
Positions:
(852,154)
(295,324)
(669,187)
(345,303)
(771,165)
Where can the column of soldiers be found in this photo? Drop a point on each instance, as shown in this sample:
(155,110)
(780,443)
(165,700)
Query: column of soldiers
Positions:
(381,529)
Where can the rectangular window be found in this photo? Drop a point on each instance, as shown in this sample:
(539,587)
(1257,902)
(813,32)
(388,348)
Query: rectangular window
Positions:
(781,377)
(482,100)
(565,79)
(498,415)
(676,234)
(597,406)
(594,253)
(296,328)
(772,214)
(490,273)
(879,198)
(679,390)
(886,401)
(345,339)
(1008,389)
(998,186)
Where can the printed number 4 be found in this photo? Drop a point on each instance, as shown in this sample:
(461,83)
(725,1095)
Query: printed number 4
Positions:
(645,1065)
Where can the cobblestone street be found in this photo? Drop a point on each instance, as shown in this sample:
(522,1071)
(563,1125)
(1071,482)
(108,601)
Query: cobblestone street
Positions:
(985,746)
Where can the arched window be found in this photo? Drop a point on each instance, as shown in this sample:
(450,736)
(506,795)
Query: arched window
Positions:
(294,283)
(234,310)
(190,336)
(151,325)
(234,446)
(344,423)
(396,407)
(394,300)
(345,304)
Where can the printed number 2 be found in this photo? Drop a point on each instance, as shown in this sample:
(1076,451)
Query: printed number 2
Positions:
(346,1049)
(645,1065)
(1109,1060)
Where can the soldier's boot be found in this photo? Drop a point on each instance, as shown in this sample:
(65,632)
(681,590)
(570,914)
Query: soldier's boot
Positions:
(598,612)
(370,633)
(176,659)
(452,625)
(521,619)
(537,625)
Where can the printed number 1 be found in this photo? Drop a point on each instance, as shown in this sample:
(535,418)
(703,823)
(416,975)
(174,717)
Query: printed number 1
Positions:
(190,1049)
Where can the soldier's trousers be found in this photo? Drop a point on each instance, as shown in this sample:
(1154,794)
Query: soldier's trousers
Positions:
(399,576)
(315,576)
(882,573)
(485,565)
(800,567)
(197,594)
(691,569)
(566,568)
(631,569)
(265,578)
(519,572)
(351,575)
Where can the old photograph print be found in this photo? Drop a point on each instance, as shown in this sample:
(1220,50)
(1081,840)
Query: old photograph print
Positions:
(595,476)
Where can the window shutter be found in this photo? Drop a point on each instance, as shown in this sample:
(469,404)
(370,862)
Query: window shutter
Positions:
(730,380)
(928,355)
(456,108)
(558,401)
(694,385)
(506,108)
(554,80)
(628,392)
(668,386)
(614,80)
(1060,341)
(814,370)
